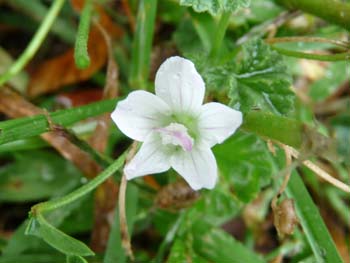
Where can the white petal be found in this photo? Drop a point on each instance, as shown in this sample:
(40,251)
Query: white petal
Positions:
(217,122)
(197,167)
(149,159)
(179,84)
(139,113)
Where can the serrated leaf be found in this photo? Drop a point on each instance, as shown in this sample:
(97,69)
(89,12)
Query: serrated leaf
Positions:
(262,81)
(215,7)
(217,78)
(245,163)
(215,245)
(56,238)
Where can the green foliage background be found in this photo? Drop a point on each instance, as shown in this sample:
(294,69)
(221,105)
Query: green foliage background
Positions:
(250,75)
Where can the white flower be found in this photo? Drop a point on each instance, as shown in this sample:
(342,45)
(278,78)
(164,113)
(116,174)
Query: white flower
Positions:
(176,129)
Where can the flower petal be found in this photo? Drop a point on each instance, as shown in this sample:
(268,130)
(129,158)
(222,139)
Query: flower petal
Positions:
(179,84)
(139,113)
(197,167)
(217,122)
(149,159)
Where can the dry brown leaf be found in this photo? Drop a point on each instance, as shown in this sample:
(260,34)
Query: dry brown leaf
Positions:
(59,71)
(100,137)
(107,194)
(176,195)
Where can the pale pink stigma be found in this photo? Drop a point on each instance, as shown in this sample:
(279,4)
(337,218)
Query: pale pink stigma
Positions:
(176,134)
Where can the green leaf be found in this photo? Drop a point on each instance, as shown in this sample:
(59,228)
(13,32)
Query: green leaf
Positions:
(244,162)
(180,253)
(33,258)
(218,78)
(262,81)
(187,40)
(21,243)
(215,7)
(37,175)
(315,229)
(56,238)
(335,75)
(341,126)
(215,207)
(31,143)
(78,220)
(286,130)
(215,245)
(76,259)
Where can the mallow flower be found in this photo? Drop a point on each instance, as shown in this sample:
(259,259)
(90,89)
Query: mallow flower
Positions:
(176,129)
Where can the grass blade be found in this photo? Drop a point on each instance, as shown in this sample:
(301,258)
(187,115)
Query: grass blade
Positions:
(316,231)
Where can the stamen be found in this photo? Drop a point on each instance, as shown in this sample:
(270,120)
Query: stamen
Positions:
(176,134)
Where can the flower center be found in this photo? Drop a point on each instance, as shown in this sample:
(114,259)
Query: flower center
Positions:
(176,134)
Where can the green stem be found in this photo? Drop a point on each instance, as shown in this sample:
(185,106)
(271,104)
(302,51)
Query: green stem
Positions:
(339,43)
(26,127)
(85,189)
(34,44)
(298,54)
(333,11)
(101,159)
(81,55)
(142,44)
(220,34)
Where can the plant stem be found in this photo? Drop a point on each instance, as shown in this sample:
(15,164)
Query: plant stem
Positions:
(339,43)
(298,54)
(333,11)
(220,34)
(71,197)
(81,56)
(21,128)
(34,44)
(142,44)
